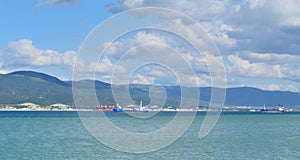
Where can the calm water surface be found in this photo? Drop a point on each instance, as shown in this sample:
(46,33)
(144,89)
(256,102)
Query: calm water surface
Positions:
(61,135)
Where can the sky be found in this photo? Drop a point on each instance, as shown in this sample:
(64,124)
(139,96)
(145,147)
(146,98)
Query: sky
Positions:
(251,43)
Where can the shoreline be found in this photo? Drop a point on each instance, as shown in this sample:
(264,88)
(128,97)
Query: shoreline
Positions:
(164,110)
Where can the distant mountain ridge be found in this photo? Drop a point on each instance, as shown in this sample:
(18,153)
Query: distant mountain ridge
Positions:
(39,88)
(43,76)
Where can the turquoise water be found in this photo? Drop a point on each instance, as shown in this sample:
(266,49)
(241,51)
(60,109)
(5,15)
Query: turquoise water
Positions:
(61,135)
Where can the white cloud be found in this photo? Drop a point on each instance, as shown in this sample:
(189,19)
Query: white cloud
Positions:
(194,80)
(118,48)
(253,4)
(264,33)
(271,58)
(23,53)
(278,12)
(104,66)
(197,9)
(287,11)
(159,47)
(59,3)
(133,3)
(242,67)
(254,25)
(245,68)
(207,12)
(4,71)
(142,79)
(266,26)
(166,78)
(69,58)
(277,87)
(157,73)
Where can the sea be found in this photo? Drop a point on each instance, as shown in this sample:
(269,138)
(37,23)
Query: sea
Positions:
(52,135)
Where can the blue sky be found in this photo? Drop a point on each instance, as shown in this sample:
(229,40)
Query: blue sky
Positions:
(258,40)
(49,26)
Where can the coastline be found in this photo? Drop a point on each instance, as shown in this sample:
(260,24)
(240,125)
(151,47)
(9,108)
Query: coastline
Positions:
(63,107)
(162,110)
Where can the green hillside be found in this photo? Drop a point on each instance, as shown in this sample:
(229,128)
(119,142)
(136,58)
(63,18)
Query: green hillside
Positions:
(42,89)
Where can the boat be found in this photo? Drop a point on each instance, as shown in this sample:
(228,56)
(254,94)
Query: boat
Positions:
(118,108)
(141,108)
(135,108)
(105,108)
(278,109)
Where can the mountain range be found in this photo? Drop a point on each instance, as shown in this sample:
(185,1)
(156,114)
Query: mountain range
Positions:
(39,88)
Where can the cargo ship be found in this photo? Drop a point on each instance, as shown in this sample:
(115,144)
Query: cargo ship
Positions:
(272,110)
